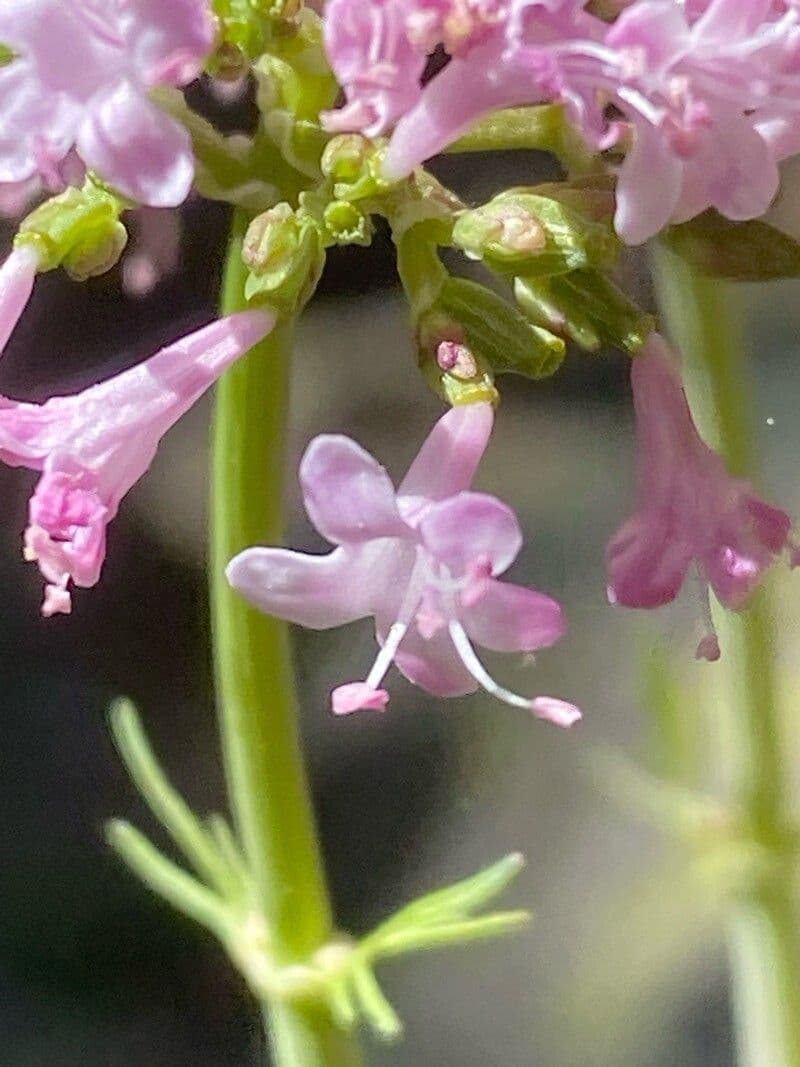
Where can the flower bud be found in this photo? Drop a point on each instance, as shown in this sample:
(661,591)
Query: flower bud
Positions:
(502,231)
(285,256)
(79,228)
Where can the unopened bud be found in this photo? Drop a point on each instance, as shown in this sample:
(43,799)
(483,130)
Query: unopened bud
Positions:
(285,256)
(502,231)
(271,240)
(97,254)
(345,156)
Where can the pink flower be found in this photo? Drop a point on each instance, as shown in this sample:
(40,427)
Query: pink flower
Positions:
(17,276)
(692,512)
(80,78)
(92,447)
(422,560)
(374,61)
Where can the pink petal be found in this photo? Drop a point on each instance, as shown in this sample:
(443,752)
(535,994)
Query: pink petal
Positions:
(470,527)
(317,592)
(647,562)
(511,618)
(168,41)
(348,495)
(137,148)
(449,458)
(432,664)
(451,103)
(648,188)
(357,696)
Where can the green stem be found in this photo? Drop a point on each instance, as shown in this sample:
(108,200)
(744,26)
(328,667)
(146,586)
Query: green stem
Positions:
(763,930)
(267,783)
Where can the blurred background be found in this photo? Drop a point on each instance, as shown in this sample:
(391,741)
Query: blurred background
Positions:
(623,965)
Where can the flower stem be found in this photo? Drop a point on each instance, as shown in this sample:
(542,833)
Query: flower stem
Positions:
(763,923)
(267,783)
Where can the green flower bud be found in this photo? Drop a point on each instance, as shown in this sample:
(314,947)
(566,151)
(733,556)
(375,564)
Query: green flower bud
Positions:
(79,228)
(284,253)
(587,307)
(345,157)
(521,228)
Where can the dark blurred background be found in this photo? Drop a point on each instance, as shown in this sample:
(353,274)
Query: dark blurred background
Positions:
(623,964)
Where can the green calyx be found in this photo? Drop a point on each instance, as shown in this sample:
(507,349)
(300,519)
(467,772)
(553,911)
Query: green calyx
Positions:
(7,55)
(284,253)
(524,231)
(584,306)
(219,894)
(80,229)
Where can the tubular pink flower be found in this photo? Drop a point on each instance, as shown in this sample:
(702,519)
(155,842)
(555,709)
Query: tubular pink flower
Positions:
(17,276)
(423,561)
(80,77)
(692,512)
(94,446)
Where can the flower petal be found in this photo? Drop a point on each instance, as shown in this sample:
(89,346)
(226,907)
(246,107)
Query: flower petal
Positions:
(317,592)
(348,495)
(137,148)
(168,41)
(449,458)
(511,618)
(647,561)
(648,188)
(434,665)
(471,527)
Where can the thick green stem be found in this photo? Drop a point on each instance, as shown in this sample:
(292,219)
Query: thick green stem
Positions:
(763,930)
(267,783)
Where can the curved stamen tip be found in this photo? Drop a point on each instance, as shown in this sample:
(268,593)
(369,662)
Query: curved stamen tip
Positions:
(357,696)
(708,648)
(556,711)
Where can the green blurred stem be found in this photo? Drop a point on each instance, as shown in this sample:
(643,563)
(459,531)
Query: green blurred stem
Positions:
(703,318)
(267,783)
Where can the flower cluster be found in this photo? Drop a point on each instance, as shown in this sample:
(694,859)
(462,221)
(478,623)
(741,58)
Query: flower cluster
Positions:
(75,89)
(703,97)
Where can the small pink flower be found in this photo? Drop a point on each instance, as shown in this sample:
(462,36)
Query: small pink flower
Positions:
(80,77)
(423,561)
(92,447)
(17,276)
(692,512)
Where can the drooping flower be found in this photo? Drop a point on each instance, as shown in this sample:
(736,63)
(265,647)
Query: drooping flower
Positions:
(93,446)
(80,76)
(693,516)
(423,561)
(17,276)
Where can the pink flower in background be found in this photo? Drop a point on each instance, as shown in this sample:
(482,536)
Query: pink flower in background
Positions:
(80,77)
(692,512)
(422,560)
(92,447)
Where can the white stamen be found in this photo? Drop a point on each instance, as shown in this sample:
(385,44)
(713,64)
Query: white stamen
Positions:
(708,648)
(384,659)
(479,672)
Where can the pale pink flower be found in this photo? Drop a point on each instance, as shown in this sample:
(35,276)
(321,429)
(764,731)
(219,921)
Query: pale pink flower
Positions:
(375,62)
(17,276)
(693,515)
(92,447)
(422,560)
(80,78)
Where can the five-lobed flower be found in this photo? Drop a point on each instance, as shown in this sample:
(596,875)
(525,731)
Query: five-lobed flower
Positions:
(423,561)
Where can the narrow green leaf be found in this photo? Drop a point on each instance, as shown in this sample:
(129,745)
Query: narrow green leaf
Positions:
(423,938)
(164,801)
(461,899)
(750,251)
(376,1008)
(166,878)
